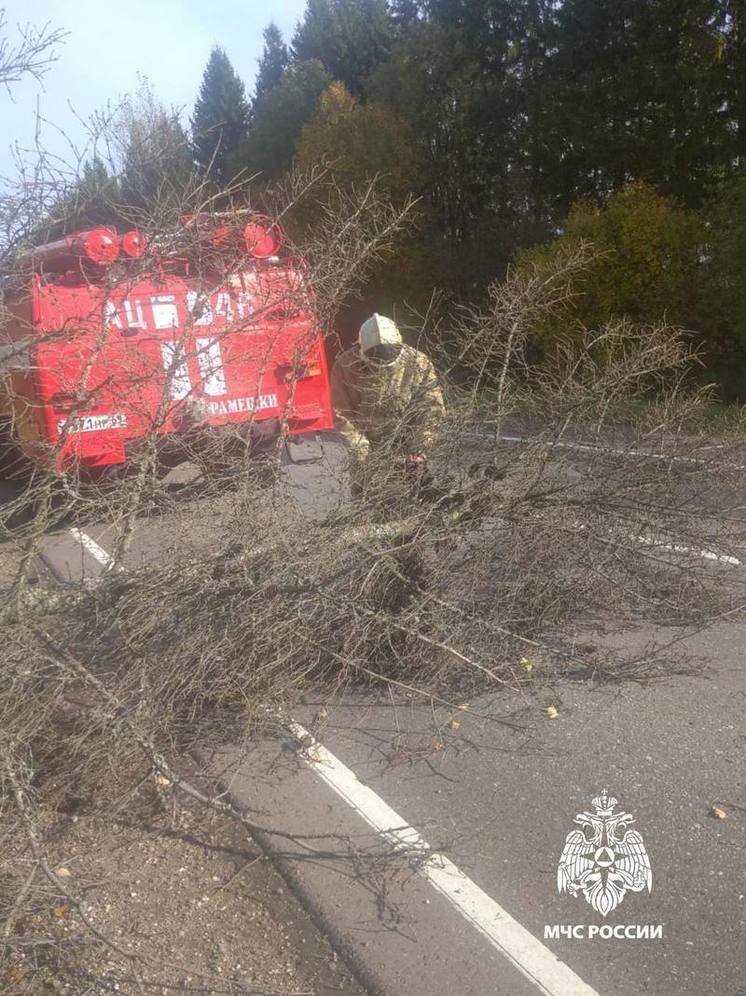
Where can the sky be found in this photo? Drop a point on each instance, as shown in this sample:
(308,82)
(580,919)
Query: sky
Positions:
(111,41)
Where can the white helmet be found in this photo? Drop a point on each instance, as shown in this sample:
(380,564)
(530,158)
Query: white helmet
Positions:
(380,331)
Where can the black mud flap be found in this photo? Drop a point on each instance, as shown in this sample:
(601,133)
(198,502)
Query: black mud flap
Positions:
(308,448)
(314,470)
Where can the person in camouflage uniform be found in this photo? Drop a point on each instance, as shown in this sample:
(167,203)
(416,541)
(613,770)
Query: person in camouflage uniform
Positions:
(386,396)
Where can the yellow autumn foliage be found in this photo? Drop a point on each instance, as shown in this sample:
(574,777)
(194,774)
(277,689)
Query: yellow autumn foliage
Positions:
(648,257)
(359,142)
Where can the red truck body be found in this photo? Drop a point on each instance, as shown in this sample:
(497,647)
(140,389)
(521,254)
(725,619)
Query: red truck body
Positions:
(110,358)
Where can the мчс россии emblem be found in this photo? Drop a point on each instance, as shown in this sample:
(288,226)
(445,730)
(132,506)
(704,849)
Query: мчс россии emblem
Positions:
(604,859)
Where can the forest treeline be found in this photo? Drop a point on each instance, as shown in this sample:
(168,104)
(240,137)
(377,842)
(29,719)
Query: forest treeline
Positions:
(521,126)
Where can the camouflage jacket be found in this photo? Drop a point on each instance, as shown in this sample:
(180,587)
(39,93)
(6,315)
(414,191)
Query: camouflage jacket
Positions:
(400,405)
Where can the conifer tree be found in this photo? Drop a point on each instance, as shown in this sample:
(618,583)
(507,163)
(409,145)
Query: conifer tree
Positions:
(155,157)
(350,38)
(278,119)
(92,200)
(220,119)
(273,62)
(405,12)
(634,90)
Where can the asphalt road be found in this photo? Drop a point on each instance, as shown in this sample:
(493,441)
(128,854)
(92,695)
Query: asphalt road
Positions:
(79,550)
(499,803)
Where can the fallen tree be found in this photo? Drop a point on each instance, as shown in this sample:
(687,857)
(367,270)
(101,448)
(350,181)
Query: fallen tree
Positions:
(438,589)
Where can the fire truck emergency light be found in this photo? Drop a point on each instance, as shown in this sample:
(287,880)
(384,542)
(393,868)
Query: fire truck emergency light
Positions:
(133,244)
(99,245)
(263,239)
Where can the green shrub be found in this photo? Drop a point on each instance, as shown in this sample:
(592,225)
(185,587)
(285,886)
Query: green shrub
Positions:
(646,264)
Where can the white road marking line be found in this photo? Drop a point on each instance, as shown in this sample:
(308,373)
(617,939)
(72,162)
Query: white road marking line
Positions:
(721,558)
(640,454)
(524,951)
(591,448)
(659,544)
(91,546)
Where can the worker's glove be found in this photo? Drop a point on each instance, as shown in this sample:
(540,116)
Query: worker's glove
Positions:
(414,462)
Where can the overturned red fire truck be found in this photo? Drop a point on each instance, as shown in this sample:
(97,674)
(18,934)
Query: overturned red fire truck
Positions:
(107,341)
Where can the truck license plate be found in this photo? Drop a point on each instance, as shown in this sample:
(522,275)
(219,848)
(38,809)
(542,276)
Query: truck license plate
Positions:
(93,423)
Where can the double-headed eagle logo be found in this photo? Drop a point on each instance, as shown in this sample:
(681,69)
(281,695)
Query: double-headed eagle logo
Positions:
(604,859)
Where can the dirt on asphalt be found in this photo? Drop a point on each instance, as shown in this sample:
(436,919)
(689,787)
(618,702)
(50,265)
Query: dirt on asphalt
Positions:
(188,904)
